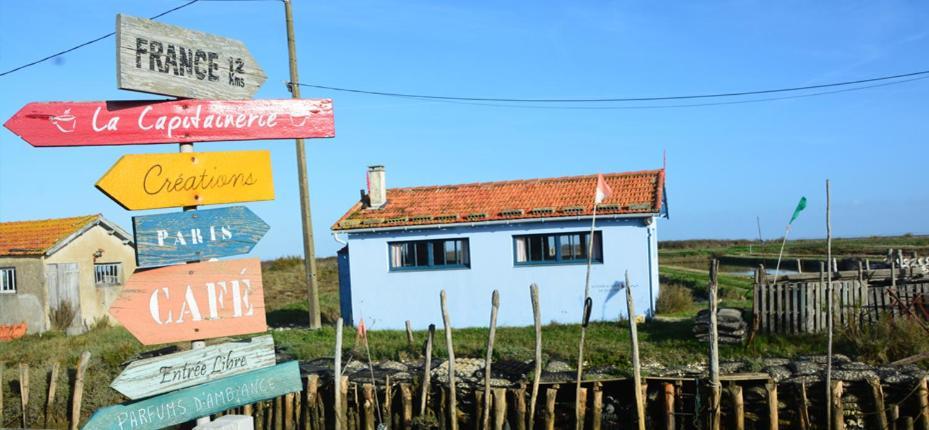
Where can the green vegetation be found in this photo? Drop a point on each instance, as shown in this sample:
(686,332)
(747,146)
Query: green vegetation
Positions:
(665,341)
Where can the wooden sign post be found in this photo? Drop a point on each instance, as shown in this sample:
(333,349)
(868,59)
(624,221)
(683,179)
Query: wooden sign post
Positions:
(164,59)
(157,375)
(193,301)
(174,238)
(101,123)
(202,400)
(151,181)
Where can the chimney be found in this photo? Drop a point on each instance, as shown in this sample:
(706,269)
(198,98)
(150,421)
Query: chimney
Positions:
(377,187)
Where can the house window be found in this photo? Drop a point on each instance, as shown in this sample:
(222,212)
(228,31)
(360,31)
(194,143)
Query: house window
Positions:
(7,280)
(430,254)
(107,273)
(556,248)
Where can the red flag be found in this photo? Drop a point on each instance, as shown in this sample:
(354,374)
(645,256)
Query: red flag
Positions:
(362,331)
(603,190)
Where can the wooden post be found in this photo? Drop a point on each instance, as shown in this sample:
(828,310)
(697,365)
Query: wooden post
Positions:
(804,411)
(343,407)
(838,409)
(831,313)
(799,266)
(478,410)
(923,402)
(288,411)
(337,372)
(499,395)
(877,393)
(581,407)
(2,369)
(306,215)
(668,404)
(309,400)
(427,372)
(368,393)
(714,410)
(537,373)
(550,395)
(636,367)
(278,412)
(387,407)
(82,364)
(771,391)
(596,421)
(260,415)
(409,334)
(406,399)
(24,391)
(52,387)
(494,306)
(452,400)
(520,396)
(738,407)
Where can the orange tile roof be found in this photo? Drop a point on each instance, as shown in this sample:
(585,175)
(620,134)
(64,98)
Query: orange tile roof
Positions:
(633,193)
(36,237)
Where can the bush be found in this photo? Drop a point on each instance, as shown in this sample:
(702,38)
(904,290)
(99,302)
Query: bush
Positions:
(62,317)
(887,340)
(674,298)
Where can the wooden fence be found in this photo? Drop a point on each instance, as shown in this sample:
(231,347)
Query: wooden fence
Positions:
(799,303)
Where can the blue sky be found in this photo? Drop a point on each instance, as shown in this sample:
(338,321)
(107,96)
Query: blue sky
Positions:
(726,164)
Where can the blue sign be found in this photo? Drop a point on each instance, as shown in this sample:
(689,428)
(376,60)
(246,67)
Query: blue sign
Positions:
(202,400)
(181,237)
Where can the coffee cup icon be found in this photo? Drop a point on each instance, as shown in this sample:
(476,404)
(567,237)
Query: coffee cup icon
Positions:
(65,122)
(299,118)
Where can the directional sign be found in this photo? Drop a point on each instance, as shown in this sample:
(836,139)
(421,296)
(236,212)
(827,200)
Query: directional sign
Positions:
(180,237)
(170,121)
(202,400)
(151,181)
(157,375)
(165,59)
(193,301)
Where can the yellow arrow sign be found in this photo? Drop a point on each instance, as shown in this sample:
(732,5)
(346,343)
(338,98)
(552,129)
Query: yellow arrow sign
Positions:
(151,181)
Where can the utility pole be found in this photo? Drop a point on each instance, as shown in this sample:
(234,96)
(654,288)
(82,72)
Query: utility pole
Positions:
(306,217)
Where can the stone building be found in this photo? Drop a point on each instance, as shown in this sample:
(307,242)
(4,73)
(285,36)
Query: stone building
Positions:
(61,273)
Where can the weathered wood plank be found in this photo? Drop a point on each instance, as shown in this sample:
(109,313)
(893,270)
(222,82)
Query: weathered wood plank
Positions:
(103,123)
(201,400)
(165,59)
(193,301)
(157,375)
(179,237)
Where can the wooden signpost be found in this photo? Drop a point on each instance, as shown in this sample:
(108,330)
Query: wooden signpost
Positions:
(193,301)
(151,181)
(170,121)
(181,237)
(157,375)
(164,59)
(202,400)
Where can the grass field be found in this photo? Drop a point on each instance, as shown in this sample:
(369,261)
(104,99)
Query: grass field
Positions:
(668,342)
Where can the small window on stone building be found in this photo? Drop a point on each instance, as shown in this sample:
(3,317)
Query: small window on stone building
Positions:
(108,274)
(7,280)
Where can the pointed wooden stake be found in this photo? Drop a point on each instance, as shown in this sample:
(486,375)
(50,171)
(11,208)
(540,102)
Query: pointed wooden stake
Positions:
(78,395)
(636,367)
(771,388)
(494,306)
(550,395)
(337,391)
(499,395)
(52,387)
(537,373)
(24,391)
(427,372)
(452,400)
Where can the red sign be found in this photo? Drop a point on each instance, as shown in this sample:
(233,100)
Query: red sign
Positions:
(193,301)
(170,121)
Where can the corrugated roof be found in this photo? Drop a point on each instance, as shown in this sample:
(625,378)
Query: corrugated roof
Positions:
(37,237)
(633,193)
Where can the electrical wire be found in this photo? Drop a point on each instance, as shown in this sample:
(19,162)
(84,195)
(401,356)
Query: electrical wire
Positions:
(617,99)
(89,42)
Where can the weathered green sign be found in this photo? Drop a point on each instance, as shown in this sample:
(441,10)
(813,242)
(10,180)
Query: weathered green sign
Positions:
(199,401)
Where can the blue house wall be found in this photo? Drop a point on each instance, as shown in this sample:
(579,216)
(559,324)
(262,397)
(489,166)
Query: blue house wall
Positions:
(386,299)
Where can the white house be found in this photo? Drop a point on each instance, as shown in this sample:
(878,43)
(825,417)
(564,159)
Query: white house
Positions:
(404,245)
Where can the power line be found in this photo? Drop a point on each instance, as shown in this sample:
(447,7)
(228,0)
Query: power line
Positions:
(617,99)
(90,42)
(687,105)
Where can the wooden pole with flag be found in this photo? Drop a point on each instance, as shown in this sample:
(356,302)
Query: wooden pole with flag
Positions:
(801,205)
(602,192)
(362,337)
